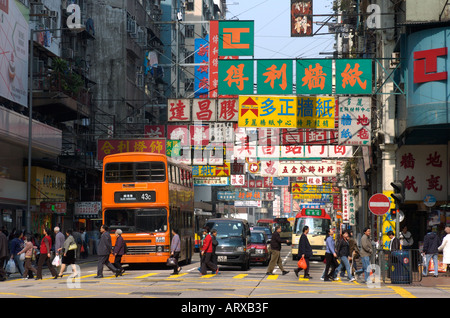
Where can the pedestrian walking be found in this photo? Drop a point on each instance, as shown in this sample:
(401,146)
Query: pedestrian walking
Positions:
(68,252)
(119,251)
(343,253)
(59,242)
(406,239)
(275,251)
(330,256)
(431,243)
(104,250)
(445,248)
(214,245)
(305,251)
(175,250)
(394,244)
(354,251)
(44,257)
(28,251)
(15,246)
(366,252)
(3,254)
(207,253)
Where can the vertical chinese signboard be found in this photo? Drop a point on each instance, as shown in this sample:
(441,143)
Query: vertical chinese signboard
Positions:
(201,78)
(301,17)
(355,116)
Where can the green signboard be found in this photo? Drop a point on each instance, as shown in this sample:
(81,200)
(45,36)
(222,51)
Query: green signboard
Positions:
(236,38)
(314,77)
(274,77)
(235,77)
(313,212)
(354,76)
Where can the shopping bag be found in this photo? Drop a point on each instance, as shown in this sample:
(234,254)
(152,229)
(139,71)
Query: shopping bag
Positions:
(22,257)
(302,263)
(56,261)
(11,267)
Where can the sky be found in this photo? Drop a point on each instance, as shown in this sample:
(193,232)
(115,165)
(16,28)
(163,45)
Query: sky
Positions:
(272,28)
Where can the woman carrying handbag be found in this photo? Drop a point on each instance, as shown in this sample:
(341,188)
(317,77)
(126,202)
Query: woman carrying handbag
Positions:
(69,249)
(305,250)
(28,253)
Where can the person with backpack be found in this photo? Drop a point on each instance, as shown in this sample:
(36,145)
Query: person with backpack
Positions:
(119,250)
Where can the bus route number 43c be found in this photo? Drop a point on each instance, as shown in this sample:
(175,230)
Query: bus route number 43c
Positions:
(135,196)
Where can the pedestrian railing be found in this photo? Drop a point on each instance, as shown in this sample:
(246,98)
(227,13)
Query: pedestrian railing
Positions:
(400,267)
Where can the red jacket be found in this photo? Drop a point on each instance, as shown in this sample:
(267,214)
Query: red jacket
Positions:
(43,249)
(207,244)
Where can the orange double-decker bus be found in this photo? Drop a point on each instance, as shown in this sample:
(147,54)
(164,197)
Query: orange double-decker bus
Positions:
(146,195)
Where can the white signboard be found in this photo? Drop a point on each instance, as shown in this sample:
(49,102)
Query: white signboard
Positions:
(323,168)
(355,116)
(14,35)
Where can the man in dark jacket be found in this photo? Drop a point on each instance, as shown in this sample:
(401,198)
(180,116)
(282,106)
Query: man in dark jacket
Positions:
(343,253)
(103,251)
(3,255)
(431,243)
(275,249)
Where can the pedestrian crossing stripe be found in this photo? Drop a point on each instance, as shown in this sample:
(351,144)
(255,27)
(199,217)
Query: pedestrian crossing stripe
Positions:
(272,277)
(208,276)
(146,275)
(177,275)
(240,276)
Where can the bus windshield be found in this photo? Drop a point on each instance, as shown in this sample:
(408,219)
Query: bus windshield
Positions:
(137,220)
(316,226)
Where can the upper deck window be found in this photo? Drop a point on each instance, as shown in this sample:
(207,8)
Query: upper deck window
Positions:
(152,171)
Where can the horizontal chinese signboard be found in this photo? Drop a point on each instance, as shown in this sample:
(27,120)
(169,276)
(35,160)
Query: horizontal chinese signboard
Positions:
(286,112)
(307,168)
(211,171)
(112,146)
(312,189)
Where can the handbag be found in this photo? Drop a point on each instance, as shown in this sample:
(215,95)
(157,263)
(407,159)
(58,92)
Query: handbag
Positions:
(302,263)
(22,257)
(73,246)
(171,261)
(11,267)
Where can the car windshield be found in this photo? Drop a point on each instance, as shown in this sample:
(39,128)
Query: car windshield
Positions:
(316,226)
(227,229)
(257,237)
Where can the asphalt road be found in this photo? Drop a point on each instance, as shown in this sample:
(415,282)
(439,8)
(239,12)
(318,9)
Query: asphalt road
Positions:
(156,281)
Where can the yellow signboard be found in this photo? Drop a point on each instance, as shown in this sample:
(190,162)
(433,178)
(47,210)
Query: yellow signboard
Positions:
(211,171)
(303,187)
(48,185)
(388,223)
(286,111)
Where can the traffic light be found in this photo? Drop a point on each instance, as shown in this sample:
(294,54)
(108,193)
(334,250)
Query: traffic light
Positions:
(399,192)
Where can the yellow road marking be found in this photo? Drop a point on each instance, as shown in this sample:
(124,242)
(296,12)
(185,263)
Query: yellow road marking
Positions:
(240,276)
(272,277)
(147,275)
(177,275)
(402,292)
(208,276)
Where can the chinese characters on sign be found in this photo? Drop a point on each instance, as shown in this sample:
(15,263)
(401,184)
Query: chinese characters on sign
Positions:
(301,18)
(422,169)
(112,146)
(313,77)
(355,116)
(201,72)
(179,110)
(348,207)
(236,38)
(286,111)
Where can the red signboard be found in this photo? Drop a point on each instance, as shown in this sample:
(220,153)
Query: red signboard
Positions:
(379,204)
(112,146)
(53,207)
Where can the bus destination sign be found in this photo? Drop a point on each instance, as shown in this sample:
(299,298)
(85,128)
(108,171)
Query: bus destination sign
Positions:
(313,212)
(134,196)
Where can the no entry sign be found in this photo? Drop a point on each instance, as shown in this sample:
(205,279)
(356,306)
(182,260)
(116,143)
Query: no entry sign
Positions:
(379,204)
